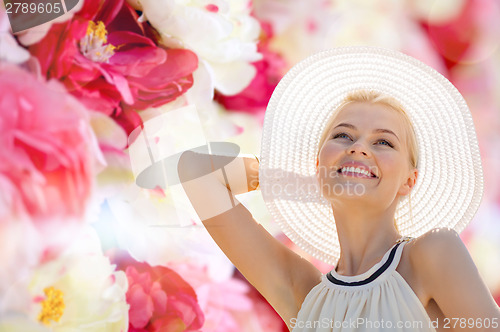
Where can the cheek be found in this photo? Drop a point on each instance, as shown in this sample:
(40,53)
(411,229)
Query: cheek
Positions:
(391,165)
(329,153)
(332,148)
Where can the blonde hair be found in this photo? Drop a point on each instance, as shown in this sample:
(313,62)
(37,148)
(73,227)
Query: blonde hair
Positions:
(374,97)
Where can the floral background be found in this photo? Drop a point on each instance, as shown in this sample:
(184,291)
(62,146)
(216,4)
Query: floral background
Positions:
(80,246)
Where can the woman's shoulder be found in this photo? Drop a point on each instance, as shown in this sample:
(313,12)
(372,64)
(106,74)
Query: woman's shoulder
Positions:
(431,253)
(436,240)
(423,258)
(445,268)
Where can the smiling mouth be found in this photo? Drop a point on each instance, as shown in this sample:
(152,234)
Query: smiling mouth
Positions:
(356,174)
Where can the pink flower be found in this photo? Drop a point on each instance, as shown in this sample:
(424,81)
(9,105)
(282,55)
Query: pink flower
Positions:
(112,63)
(254,97)
(48,149)
(160,300)
(470,36)
(220,301)
(230,304)
(265,315)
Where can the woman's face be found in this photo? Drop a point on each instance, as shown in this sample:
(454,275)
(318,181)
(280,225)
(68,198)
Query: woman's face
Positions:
(372,137)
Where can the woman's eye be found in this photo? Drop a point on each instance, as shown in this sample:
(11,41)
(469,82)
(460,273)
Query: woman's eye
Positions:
(388,143)
(341,134)
(347,136)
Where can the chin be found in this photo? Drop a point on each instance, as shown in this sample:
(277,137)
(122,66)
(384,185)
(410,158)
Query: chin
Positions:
(346,192)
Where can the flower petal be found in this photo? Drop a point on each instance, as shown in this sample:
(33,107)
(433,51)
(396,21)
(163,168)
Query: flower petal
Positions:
(141,306)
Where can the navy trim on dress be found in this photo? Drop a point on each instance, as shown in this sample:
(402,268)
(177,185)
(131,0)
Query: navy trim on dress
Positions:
(374,276)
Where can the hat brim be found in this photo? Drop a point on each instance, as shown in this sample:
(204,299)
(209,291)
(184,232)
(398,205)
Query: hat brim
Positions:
(449,188)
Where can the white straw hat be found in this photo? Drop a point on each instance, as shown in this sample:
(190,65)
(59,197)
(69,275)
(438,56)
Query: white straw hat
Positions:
(449,187)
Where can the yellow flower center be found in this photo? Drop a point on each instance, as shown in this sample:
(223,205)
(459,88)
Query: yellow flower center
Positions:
(52,307)
(93,45)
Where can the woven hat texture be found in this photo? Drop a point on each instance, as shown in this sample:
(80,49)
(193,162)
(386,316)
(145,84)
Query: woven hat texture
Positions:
(449,187)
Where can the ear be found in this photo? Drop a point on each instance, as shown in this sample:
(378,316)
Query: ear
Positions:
(407,186)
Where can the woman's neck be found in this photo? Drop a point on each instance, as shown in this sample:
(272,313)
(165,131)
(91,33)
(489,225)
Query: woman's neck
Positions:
(364,236)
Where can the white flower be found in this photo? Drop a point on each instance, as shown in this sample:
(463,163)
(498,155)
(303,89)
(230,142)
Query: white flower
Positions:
(147,225)
(303,28)
(77,291)
(437,12)
(20,323)
(222,33)
(10,50)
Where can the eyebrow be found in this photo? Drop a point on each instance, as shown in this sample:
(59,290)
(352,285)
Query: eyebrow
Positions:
(380,130)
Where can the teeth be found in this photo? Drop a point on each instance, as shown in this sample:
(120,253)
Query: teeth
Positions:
(355,170)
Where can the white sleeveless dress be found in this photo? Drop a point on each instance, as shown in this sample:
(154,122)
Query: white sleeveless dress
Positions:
(378,300)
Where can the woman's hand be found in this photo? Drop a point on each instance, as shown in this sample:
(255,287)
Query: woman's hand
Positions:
(239,174)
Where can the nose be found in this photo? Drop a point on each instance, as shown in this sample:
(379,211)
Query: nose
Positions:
(360,148)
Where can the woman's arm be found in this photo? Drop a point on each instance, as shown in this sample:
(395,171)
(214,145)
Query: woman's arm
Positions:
(451,278)
(271,267)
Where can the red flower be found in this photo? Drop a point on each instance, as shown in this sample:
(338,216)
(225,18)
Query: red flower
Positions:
(160,300)
(111,62)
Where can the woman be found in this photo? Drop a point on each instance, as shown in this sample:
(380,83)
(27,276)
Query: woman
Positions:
(398,130)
